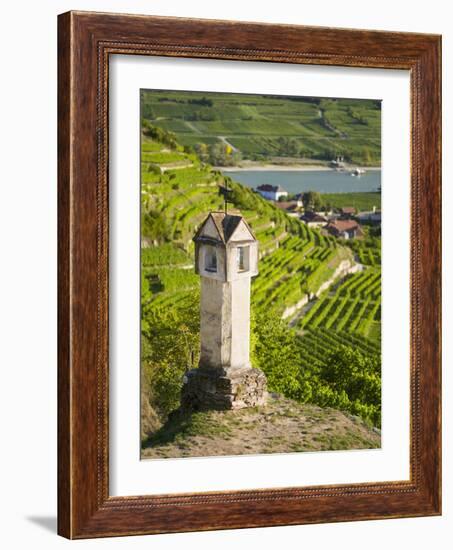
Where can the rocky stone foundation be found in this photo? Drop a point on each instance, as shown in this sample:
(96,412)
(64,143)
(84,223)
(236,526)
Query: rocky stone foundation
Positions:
(223,389)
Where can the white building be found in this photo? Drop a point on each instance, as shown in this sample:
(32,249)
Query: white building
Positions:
(374,216)
(314,219)
(271,192)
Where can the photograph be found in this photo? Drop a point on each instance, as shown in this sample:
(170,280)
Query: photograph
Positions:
(260,274)
(241,342)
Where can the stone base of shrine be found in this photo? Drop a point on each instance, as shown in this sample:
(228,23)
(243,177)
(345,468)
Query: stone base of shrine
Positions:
(223,388)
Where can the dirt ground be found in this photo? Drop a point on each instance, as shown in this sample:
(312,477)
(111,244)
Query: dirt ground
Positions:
(281,426)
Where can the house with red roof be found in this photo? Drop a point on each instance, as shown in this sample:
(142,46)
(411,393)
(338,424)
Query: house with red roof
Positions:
(347,212)
(345,229)
(292,208)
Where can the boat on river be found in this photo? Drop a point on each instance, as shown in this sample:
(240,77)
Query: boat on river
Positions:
(357,172)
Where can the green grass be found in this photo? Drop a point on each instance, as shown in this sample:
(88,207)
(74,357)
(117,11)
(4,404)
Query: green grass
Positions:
(338,442)
(181,426)
(360,201)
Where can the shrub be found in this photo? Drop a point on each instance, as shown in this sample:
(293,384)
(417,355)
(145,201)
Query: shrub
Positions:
(353,381)
(159,134)
(154,226)
(170,346)
(275,353)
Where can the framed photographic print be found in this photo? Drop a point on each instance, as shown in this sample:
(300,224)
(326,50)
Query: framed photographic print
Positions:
(249,275)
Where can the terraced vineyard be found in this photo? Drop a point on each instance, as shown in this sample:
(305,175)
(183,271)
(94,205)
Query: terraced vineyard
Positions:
(318,344)
(296,269)
(368,252)
(178,190)
(282,273)
(353,307)
(369,256)
(270,126)
(295,260)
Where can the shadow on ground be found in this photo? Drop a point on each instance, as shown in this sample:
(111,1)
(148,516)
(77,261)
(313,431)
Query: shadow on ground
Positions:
(49,523)
(180,424)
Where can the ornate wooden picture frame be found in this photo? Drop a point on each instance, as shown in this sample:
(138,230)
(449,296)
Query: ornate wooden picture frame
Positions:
(86,40)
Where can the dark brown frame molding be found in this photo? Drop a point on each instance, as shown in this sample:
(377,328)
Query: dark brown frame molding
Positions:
(85,42)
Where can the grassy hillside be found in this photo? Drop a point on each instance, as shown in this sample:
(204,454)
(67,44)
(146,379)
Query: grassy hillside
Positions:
(282,426)
(299,358)
(266,127)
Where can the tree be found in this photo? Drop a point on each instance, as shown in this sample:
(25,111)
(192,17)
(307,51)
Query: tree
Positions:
(235,158)
(155,227)
(353,383)
(222,154)
(241,197)
(204,102)
(288,146)
(217,154)
(312,200)
(202,151)
(275,352)
(375,231)
(146,296)
(147,111)
(159,134)
(367,156)
(170,346)
(189,149)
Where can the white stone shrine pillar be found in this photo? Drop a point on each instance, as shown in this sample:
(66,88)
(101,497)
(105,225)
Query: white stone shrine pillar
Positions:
(226,257)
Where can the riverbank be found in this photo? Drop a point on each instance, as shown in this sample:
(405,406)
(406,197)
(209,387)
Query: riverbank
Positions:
(269,167)
(274,168)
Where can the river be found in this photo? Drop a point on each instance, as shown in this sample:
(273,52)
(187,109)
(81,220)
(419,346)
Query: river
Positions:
(323,181)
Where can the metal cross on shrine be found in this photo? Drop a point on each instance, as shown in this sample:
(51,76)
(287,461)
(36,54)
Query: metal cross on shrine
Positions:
(226,193)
